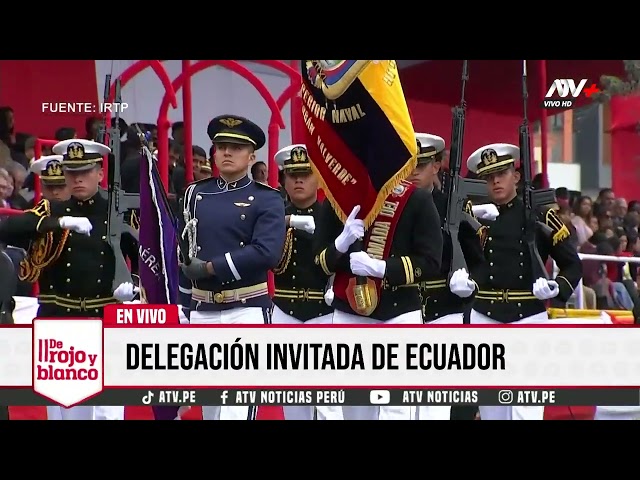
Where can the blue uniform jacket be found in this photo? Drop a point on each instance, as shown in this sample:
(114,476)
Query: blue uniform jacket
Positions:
(240,228)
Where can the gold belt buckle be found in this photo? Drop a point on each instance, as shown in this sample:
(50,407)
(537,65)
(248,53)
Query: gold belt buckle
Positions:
(83,304)
(218,297)
(505,296)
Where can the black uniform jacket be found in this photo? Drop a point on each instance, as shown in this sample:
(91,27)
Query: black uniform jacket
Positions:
(416,253)
(505,279)
(437,299)
(299,282)
(75,272)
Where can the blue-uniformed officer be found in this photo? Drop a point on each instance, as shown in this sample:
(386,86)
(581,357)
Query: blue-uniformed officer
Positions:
(236,231)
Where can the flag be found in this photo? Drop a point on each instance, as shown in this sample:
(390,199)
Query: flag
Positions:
(358,131)
(158,240)
(158,250)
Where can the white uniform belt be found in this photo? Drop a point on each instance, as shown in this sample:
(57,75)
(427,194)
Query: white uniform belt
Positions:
(230,296)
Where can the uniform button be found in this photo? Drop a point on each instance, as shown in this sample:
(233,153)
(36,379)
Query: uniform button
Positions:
(488,314)
(105,222)
(492,302)
(490,277)
(96,310)
(319,314)
(292,300)
(520,241)
(68,264)
(69,249)
(68,209)
(102,253)
(435,301)
(521,253)
(68,309)
(101,266)
(519,304)
(99,281)
(242,244)
(435,315)
(521,264)
(51,287)
(104,237)
(290,312)
(293,288)
(395,304)
(293,277)
(294,264)
(243,216)
(199,248)
(490,251)
(295,239)
(520,277)
(198,197)
(491,264)
(243,300)
(68,280)
(520,315)
(295,251)
(68,294)
(251,198)
(490,238)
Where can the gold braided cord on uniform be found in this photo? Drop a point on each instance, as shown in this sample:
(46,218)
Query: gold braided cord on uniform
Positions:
(483,233)
(134,221)
(286,253)
(560,230)
(41,250)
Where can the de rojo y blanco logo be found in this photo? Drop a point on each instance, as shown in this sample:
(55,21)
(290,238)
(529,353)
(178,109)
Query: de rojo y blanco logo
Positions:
(68,360)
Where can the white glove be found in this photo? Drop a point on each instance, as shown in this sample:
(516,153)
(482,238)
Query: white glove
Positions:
(77,224)
(544,289)
(460,284)
(352,231)
(303,222)
(487,211)
(363,265)
(125,292)
(328,297)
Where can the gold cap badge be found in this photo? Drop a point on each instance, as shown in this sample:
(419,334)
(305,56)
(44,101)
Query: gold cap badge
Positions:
(230,122)
(75,151)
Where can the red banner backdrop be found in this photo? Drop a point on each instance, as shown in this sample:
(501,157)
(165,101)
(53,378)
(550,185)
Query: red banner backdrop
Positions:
(625,146)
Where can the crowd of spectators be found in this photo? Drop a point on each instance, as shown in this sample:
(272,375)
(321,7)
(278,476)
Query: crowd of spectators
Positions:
(606,226)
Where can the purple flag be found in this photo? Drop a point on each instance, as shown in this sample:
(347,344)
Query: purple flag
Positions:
(158,250)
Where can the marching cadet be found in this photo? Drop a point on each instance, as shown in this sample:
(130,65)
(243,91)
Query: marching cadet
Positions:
(49,169)
(299,282)
(440,305)
(67,244)
(236,233)
(508,293)
(411,244)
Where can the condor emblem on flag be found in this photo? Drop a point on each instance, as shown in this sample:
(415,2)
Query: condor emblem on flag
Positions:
(359,134)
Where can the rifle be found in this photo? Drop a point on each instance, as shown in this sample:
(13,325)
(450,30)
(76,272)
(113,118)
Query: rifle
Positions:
(533,199)
(119,201)
(457,188)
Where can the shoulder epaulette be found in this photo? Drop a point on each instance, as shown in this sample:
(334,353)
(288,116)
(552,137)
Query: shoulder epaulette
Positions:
(559,230)
(202,180)
(264,185)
